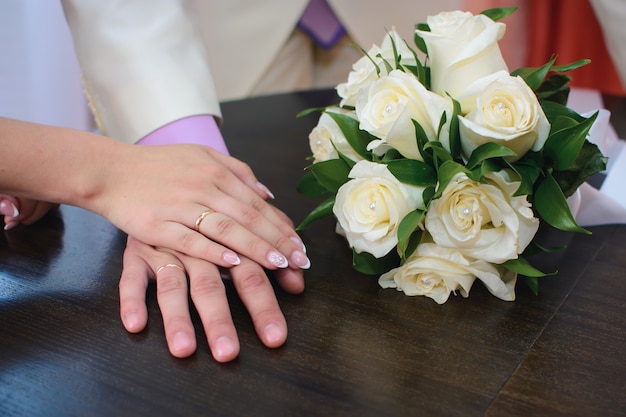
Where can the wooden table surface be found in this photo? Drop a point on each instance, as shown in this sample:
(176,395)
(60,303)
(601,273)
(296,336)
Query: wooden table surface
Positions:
(353,348)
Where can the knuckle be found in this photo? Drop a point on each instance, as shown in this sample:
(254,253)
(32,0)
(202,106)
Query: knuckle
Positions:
(225,226)
(251,280)
(204,285)
(187,241)
(251,216)
(167,284)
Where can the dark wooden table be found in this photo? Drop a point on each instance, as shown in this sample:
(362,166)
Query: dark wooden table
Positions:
(353,348)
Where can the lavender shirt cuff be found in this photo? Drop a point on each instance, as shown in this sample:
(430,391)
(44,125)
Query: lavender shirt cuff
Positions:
(198,130)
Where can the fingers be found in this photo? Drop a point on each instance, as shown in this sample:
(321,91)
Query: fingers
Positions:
(243,172)
(170,269)
(209,296)
(290,280)
(133,284)
(258,296)
(22,210)
(280,252)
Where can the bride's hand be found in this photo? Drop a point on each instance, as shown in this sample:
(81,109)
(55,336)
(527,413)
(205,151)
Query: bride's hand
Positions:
(18,210)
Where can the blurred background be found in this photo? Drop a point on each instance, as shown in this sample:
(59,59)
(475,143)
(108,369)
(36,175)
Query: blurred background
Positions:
(40,76)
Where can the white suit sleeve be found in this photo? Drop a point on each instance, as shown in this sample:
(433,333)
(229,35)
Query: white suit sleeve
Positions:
(144,64)
(612,17)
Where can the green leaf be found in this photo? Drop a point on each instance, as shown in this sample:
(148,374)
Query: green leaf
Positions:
(498,13)
(366,263)
(528,174)
(419,42)
(368,56)
(486,151)
(428,194)
(357,138)
(446,171)
(535,76)
(439,153)
(308,111)
(325,209)
(455,136)
(571,66)
(419,70)
(408,228)
(331,174)
(310,187)
(551,205)
(533,284)
(413,172)
(554,110)
(589,162)
(522,267)
(422,140)
(563,146)
(554,88)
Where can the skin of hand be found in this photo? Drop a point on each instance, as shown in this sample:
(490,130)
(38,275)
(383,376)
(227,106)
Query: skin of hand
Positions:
(22,210)
(154,193)
(208,294)
(177,184)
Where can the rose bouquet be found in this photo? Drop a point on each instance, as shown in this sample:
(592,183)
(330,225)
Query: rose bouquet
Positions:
(440,171)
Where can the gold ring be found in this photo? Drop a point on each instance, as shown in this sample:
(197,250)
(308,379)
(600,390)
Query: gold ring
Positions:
(170,266)
(201,217)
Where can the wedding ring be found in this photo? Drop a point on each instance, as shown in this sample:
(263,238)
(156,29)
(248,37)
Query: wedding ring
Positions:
(170,266)
(201,217)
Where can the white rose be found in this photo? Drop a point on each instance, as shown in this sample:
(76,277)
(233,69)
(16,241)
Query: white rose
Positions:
(326,134)
(461,48)
(504,110)
(482,220)
(388,107)
(364,71)
(435,272)
(371,205)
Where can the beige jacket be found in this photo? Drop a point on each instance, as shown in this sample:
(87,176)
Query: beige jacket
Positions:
(149,62)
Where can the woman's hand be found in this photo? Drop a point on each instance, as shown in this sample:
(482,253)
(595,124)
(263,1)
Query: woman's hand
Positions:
(22,210)
(199,202)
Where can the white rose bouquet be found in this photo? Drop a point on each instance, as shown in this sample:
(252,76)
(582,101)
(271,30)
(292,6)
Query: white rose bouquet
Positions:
(440,171)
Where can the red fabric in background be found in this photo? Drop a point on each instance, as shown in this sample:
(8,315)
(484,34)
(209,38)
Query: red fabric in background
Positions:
(570,29)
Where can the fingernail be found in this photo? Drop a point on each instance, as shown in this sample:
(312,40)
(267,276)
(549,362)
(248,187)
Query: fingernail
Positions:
(266,190)
(298,242)
(277,259)
(272,333)
(231,258)
(10,225)
(181,342)
(300,259)
(132,321)
(7,208)
(224,347)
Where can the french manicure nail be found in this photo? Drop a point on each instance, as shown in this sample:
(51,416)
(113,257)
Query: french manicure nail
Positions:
(266,190)
(301,260)
(298,242)
(231,258)
(7,208)
(277,259)
(10,225)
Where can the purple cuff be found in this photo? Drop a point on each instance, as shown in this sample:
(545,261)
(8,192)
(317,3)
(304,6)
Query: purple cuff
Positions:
(197,130)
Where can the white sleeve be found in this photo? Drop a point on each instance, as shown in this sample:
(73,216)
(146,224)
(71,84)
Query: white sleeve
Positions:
(612,17)
(144,64)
